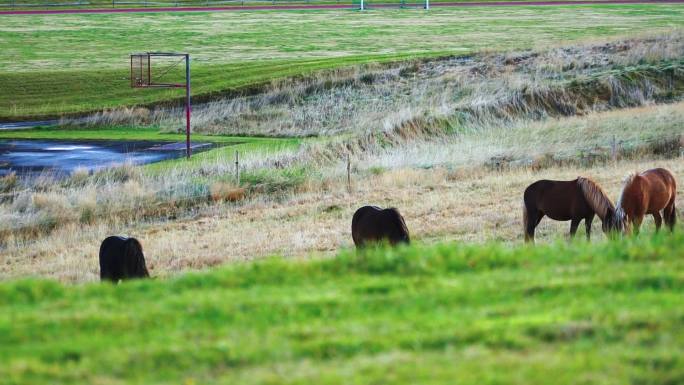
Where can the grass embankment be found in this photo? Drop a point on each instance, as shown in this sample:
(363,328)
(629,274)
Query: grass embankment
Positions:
(45,73)
(607,313)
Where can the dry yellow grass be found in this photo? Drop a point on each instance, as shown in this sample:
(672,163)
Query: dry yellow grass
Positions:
(471,205)
(225,192)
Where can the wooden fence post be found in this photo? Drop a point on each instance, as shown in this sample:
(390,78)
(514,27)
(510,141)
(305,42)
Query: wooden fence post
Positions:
(613,149)
(349,189)
(237,168)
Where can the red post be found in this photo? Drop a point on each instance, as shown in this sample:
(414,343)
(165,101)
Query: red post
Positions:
(187,104)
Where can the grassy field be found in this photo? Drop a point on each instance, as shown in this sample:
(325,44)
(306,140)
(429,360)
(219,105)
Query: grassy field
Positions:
(106,4)
(606,313)
(49,70)
(256,283)
(465,136)
(447,187)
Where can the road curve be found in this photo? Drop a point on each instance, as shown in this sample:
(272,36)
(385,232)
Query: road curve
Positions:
(331,6)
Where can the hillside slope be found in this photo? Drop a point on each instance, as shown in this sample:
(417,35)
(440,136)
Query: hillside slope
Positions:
(54,69)
(602,313)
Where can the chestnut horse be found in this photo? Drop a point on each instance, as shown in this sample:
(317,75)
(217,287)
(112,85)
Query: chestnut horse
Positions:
(647,193)
(572,200)
(373,224)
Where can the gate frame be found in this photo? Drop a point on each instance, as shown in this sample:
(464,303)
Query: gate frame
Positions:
(146,82)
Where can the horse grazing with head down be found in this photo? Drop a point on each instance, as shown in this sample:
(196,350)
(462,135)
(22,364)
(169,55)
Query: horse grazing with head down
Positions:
(650,192)
(121,258)
(373,224)
(572,200)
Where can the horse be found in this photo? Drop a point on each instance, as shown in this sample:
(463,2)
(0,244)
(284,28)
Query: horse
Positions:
(373,224)
(572,200)
(648,193)
(121,258)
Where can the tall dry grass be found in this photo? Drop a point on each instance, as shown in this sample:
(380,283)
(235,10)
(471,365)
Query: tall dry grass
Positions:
(595,138)
(474,204)
(490,109)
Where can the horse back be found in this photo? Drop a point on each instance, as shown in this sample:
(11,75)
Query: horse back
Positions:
(363,212)
(659,188)
(558,199)
(664,176)
(121,258)
(371,223)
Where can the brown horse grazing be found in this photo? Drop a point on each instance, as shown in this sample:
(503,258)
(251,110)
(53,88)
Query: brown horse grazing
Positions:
(121,258)
(572,200)
(647,193)
(373,224)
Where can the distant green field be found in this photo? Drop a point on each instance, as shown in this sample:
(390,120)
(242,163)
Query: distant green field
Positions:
(579,313)
(55,64)
(86,4)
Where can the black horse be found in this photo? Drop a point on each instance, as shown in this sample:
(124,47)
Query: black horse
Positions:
(572,200)
(373,224)
(121,258)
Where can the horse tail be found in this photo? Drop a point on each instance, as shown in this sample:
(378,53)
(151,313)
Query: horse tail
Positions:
(526,217)
(673,210)
(672,214)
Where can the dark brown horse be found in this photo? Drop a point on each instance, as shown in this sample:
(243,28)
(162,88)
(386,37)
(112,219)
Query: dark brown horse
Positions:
(648,193)
(372,224)
(121,258)
(572,200)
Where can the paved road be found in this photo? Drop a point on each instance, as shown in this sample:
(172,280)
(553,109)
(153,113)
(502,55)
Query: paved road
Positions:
(331,6)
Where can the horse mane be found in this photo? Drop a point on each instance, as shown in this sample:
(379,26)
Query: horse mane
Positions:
(626,182)
(400,219)
(136,258)
(595,196)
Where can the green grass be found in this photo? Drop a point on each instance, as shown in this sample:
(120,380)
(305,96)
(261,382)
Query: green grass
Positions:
(603,313)
(69,4)
(77,63)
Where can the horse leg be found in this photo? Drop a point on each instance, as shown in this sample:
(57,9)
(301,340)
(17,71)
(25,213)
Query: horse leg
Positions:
(574,224)
(658,220)
(587,225)
(670,215)
(533,219)
(636,224)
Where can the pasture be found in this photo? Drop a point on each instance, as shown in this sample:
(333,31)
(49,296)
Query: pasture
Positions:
(48,70)
(148,5)
(447,115)
(607,313)
(467,163)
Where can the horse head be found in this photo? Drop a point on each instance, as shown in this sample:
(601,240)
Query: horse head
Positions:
(614,222)
(135,259)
